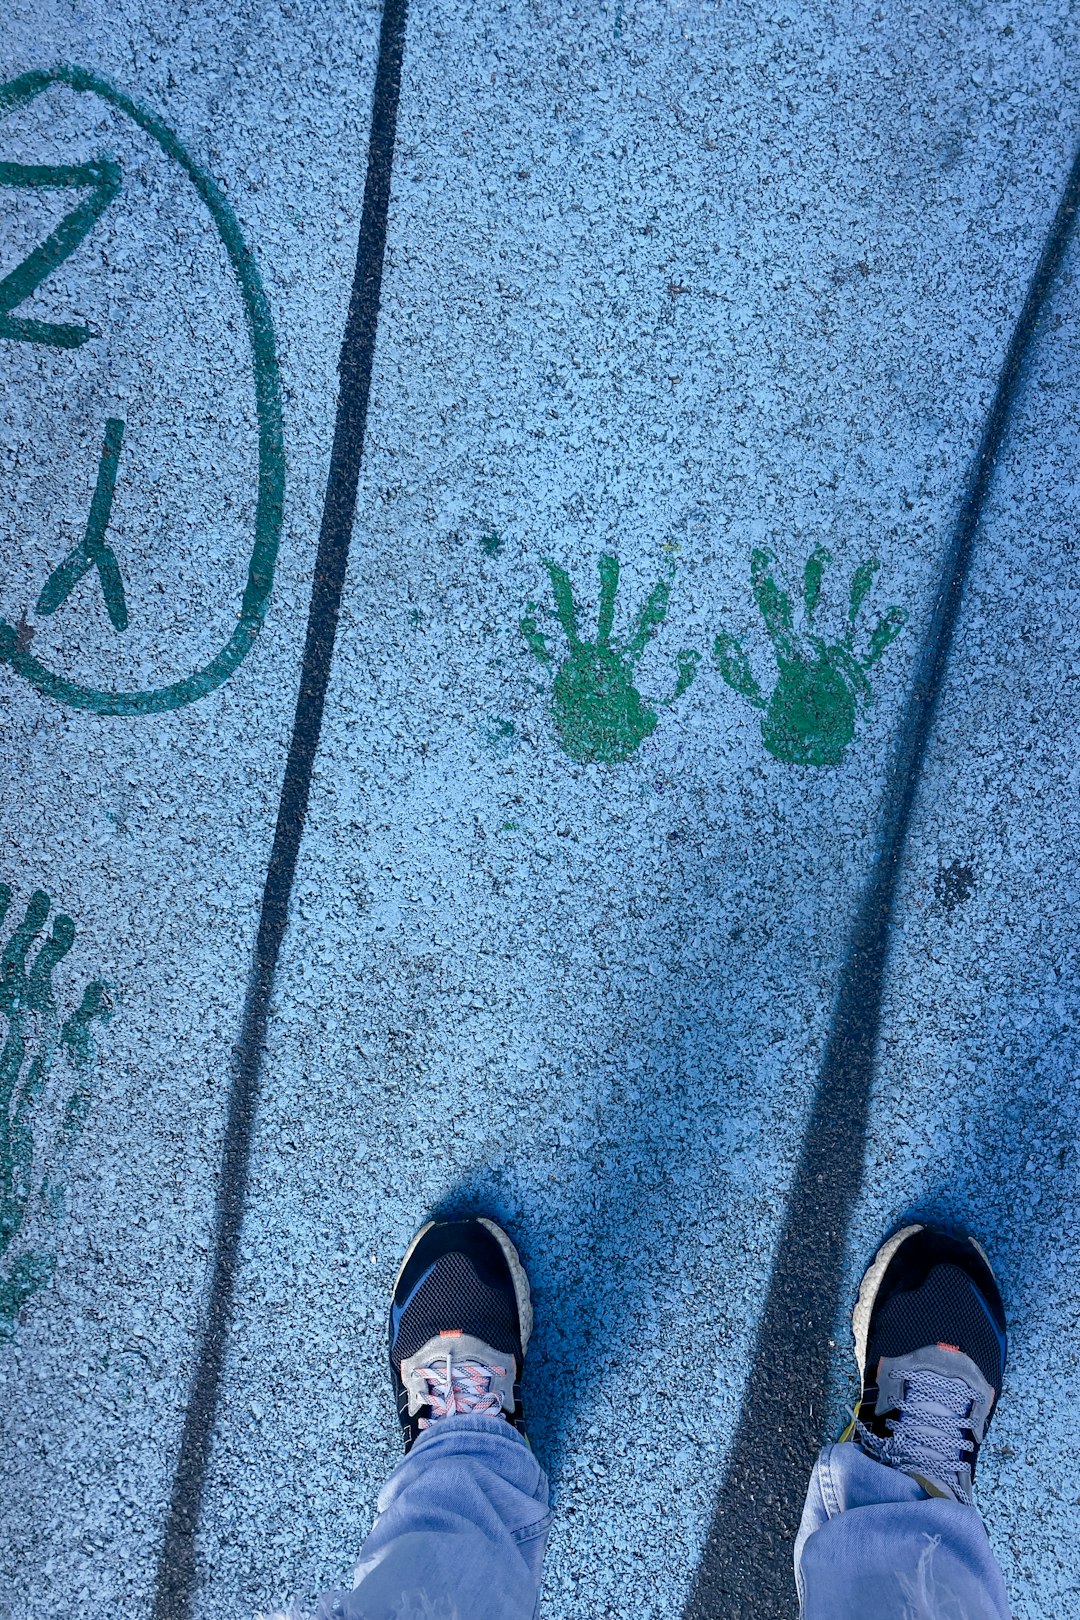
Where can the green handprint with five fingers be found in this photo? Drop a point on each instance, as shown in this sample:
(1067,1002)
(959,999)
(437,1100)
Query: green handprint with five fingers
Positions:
(810,718)
(34,1137)
(599,713)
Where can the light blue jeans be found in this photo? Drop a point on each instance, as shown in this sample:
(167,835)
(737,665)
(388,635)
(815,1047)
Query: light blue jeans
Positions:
(461,1530)
(464,1518)
(872,1542)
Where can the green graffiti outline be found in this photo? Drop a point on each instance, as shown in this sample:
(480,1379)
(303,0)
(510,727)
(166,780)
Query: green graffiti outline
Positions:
(28,1007)
(103,177)
(269,511)
(600,715)
(93,550)
(811,715)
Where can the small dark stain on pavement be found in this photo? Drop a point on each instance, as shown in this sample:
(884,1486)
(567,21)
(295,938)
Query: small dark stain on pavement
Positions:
(953,885)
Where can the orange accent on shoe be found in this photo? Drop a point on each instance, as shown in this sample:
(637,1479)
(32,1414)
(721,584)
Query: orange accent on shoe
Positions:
(955,1348)
(450,1333)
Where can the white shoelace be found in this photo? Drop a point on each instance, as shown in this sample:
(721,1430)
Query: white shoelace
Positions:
(930,1433)
(458,1387)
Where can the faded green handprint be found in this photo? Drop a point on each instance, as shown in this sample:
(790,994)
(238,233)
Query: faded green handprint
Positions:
(37,1128)
(599,713)
(810,718)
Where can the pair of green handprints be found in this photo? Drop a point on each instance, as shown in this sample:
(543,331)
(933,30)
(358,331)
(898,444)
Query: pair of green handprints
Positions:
(810,716)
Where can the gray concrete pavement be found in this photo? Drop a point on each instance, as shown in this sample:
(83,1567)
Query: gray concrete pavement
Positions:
(665,284)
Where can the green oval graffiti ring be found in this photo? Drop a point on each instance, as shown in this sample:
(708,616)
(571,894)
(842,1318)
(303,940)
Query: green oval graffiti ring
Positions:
(271,480)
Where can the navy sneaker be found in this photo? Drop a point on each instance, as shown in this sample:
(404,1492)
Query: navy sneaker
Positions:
(930,1343)
(460,1320)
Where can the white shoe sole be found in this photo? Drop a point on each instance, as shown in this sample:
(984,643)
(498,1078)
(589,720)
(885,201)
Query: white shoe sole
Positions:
(513,1260)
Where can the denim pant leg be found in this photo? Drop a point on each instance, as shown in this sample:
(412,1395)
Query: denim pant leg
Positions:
(872,1542)
(460,1532)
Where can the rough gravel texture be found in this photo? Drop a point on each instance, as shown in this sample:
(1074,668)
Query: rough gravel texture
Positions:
(663,282)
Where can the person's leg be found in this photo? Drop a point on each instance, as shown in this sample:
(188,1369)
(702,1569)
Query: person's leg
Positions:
(890,1528)
(460,1533)
(463,1519)
(872,1542)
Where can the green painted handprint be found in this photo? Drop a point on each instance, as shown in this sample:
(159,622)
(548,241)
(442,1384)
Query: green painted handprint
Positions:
(599,713)
(810,718)
(32,1147)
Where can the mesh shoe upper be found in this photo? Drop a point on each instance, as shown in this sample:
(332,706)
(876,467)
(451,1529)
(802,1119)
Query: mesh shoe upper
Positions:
(938,1289)
(458,1290)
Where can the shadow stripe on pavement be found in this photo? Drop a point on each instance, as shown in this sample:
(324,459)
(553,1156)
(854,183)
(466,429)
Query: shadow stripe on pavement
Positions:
(746,1566)
(176,1585)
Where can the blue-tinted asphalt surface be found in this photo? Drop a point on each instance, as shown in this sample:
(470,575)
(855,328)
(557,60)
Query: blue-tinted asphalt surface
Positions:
(669,283)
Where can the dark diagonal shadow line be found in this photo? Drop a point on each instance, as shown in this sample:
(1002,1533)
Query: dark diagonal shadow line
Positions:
(746,1568)
(176,1585)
